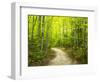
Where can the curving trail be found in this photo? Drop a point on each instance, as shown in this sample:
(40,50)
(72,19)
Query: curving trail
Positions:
(61,58)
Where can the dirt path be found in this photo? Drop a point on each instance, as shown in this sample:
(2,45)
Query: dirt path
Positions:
(61,58)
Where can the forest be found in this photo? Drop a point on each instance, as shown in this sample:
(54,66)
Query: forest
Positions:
(57,40)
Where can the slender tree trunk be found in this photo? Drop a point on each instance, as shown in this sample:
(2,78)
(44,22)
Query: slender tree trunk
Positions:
(32,29)
(47,33)
(63,31)
(56,34)
(50,26)
(42,34)
(28,27)
(78,37)
(34,22)
(39,30)
(60,36)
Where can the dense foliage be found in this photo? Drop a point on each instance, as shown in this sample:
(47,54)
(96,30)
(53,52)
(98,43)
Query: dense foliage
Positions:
(45,32)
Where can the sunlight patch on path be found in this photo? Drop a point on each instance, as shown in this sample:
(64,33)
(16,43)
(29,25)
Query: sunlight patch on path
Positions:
(61,58)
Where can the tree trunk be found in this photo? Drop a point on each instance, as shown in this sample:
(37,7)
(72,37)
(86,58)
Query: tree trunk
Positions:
(34,22)
(42,33)
(47,32)
(63,31)
(39,30)
(28,27)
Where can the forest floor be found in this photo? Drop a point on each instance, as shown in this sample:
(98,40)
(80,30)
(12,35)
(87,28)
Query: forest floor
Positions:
(60,57)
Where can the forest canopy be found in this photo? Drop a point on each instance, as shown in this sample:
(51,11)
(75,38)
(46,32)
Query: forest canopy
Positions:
(67,33)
